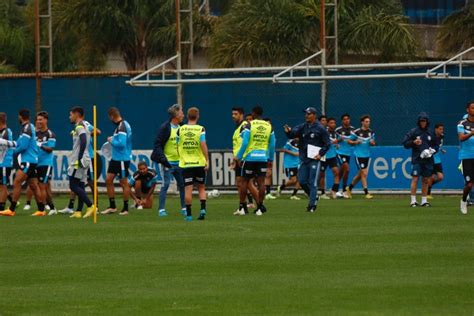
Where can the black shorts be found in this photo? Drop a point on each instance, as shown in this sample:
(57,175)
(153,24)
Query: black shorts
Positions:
(44,173)
(344,159)
(362,163)
(291,172)
(5,173)
(438,168)
(423,169)
(194,175)
(252,169)
(238,170)
(119,168)
(29,169)
(467,166)
(328,164)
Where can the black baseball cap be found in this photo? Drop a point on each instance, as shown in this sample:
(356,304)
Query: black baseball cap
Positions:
(310,110)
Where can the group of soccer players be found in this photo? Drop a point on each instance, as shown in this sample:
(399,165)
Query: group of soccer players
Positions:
(313,148)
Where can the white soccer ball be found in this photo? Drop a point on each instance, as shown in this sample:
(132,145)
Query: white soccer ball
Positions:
(213,194)
(339,195)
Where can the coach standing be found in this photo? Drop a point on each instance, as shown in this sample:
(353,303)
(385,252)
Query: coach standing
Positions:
(310,133)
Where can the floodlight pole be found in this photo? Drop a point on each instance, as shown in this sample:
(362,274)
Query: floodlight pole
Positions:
(179,87)
(37,58)
(322,44)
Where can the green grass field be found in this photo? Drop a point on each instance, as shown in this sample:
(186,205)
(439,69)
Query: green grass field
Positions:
(353,257)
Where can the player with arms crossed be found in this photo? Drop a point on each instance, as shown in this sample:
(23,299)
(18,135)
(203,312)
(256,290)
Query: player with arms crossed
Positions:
(255,157)
(466,153)
(27,149)
(291,163)
(194,159)
(144,183)
(331,160)
(362,139)
(344,151)
(422,142)
(121,142)
(6,162)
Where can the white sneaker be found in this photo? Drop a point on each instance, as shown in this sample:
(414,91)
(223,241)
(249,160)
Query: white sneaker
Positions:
(27,207)
(294,197)
(324,197)
(258,213)
(463,207)
(66,211)
(237,212)
(46,207)
(333,195)
(269,196)
(109,211)
(52,212)
(346,195)
(139,207)
(242,212)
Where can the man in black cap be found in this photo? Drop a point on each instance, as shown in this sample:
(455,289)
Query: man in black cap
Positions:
(312,136)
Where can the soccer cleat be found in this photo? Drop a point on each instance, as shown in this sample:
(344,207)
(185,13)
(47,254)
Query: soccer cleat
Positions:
(414,204)
(46,207)
(312,209)
(53,212)
(369,196)
(427,204)
(258,212)
(109,211)
(202,215)
(183,211)
(7,213)
(162,213)
(76,214)
(139,207)
(279,190)
(188,218)
(463,207)
(348,193)
(237,212)
(89,211)
(429,197)
(269,196)
(39,213)
(123,212)
(27,207)
(66,211)
(325,197)
(333,195)
(294,197)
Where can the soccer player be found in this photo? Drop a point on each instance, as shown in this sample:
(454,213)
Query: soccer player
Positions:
(291,162)
(362,139)
(344,151)
(268,177)
(238,118)
(144,183)
(27,149)
(121,142)
(323,120)
(255,157)
(7,163)
(68,210)
(330,161)
(438,166)
(165,152)
(310,133)
(194,159)
(466,153)
(422,142)
(80,162)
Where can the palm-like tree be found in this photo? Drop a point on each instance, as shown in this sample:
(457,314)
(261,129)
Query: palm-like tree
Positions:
(457,30)
(276,32)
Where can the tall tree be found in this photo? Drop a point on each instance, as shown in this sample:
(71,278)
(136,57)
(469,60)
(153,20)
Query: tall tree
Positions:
(457,30)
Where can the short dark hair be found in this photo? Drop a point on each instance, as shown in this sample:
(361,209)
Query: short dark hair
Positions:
(364,117)
(248,114)
(322,117)
(113,111)
(142,163)
(24,114)
(3,117)
(193,113)
(44,114)
(331,119)
(439,125)
(238,109)
(345,115)
(257,110)
(469,104)
(79,110)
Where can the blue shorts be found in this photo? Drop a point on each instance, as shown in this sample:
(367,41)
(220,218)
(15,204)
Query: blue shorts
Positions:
(424,169)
